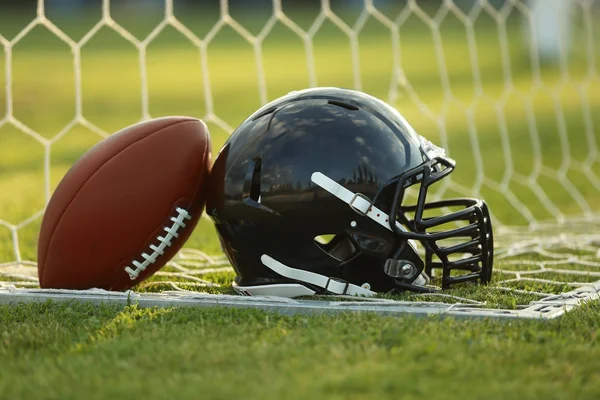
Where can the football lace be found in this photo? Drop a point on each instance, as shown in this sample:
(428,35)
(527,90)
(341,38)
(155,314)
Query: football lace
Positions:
(164,242)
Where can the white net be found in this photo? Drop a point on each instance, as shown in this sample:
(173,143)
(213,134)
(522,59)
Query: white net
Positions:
(508,87)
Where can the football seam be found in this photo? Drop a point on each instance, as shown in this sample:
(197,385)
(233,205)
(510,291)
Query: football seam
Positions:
(48,246)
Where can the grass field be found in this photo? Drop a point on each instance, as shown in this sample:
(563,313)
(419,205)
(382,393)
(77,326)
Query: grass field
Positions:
(78,352)
(74,351)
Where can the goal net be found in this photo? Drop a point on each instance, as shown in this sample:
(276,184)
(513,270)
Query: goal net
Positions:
(510,88)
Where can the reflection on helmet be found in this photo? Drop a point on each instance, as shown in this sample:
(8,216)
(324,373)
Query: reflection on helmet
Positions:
(308,197)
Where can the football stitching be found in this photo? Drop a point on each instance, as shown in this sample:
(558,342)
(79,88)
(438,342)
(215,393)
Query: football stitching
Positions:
(165,241)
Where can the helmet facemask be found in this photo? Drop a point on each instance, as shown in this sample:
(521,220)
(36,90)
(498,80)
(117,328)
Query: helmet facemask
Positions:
(465,247)
(458,243)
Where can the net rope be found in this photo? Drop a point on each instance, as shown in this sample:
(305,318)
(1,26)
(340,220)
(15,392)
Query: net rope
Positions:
(539,258)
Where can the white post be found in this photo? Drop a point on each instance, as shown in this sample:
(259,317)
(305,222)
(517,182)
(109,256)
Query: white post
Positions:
(551,25)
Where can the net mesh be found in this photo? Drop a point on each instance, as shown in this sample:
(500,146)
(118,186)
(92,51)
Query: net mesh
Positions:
(542,181)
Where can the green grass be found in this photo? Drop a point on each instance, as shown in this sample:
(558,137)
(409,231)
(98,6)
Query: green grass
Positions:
(74,351)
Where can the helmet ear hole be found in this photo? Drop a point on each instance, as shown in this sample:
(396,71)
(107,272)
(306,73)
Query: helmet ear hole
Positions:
(337,246)
(324,239)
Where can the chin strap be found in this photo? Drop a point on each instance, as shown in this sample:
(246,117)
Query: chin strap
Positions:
(356,201)
(331,285)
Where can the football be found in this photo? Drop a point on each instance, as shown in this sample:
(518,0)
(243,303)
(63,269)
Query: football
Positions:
(126,207)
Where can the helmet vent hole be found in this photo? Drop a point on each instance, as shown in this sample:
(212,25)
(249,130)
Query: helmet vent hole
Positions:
(343,105)
(252,180)
(255,185)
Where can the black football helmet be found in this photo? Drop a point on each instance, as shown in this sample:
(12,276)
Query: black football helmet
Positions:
(308,197)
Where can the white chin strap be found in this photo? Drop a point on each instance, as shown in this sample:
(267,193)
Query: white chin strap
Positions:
(331,285)
(354,200)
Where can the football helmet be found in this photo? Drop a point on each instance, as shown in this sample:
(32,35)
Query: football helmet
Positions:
(308,196)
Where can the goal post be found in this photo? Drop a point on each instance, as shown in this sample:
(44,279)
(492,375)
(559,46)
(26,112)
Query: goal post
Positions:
(508,87)
(549,29)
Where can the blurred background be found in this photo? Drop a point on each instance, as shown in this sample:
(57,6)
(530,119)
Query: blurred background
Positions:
(510,88)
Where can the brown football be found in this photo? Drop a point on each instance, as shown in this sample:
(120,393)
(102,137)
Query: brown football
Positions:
(126,207)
